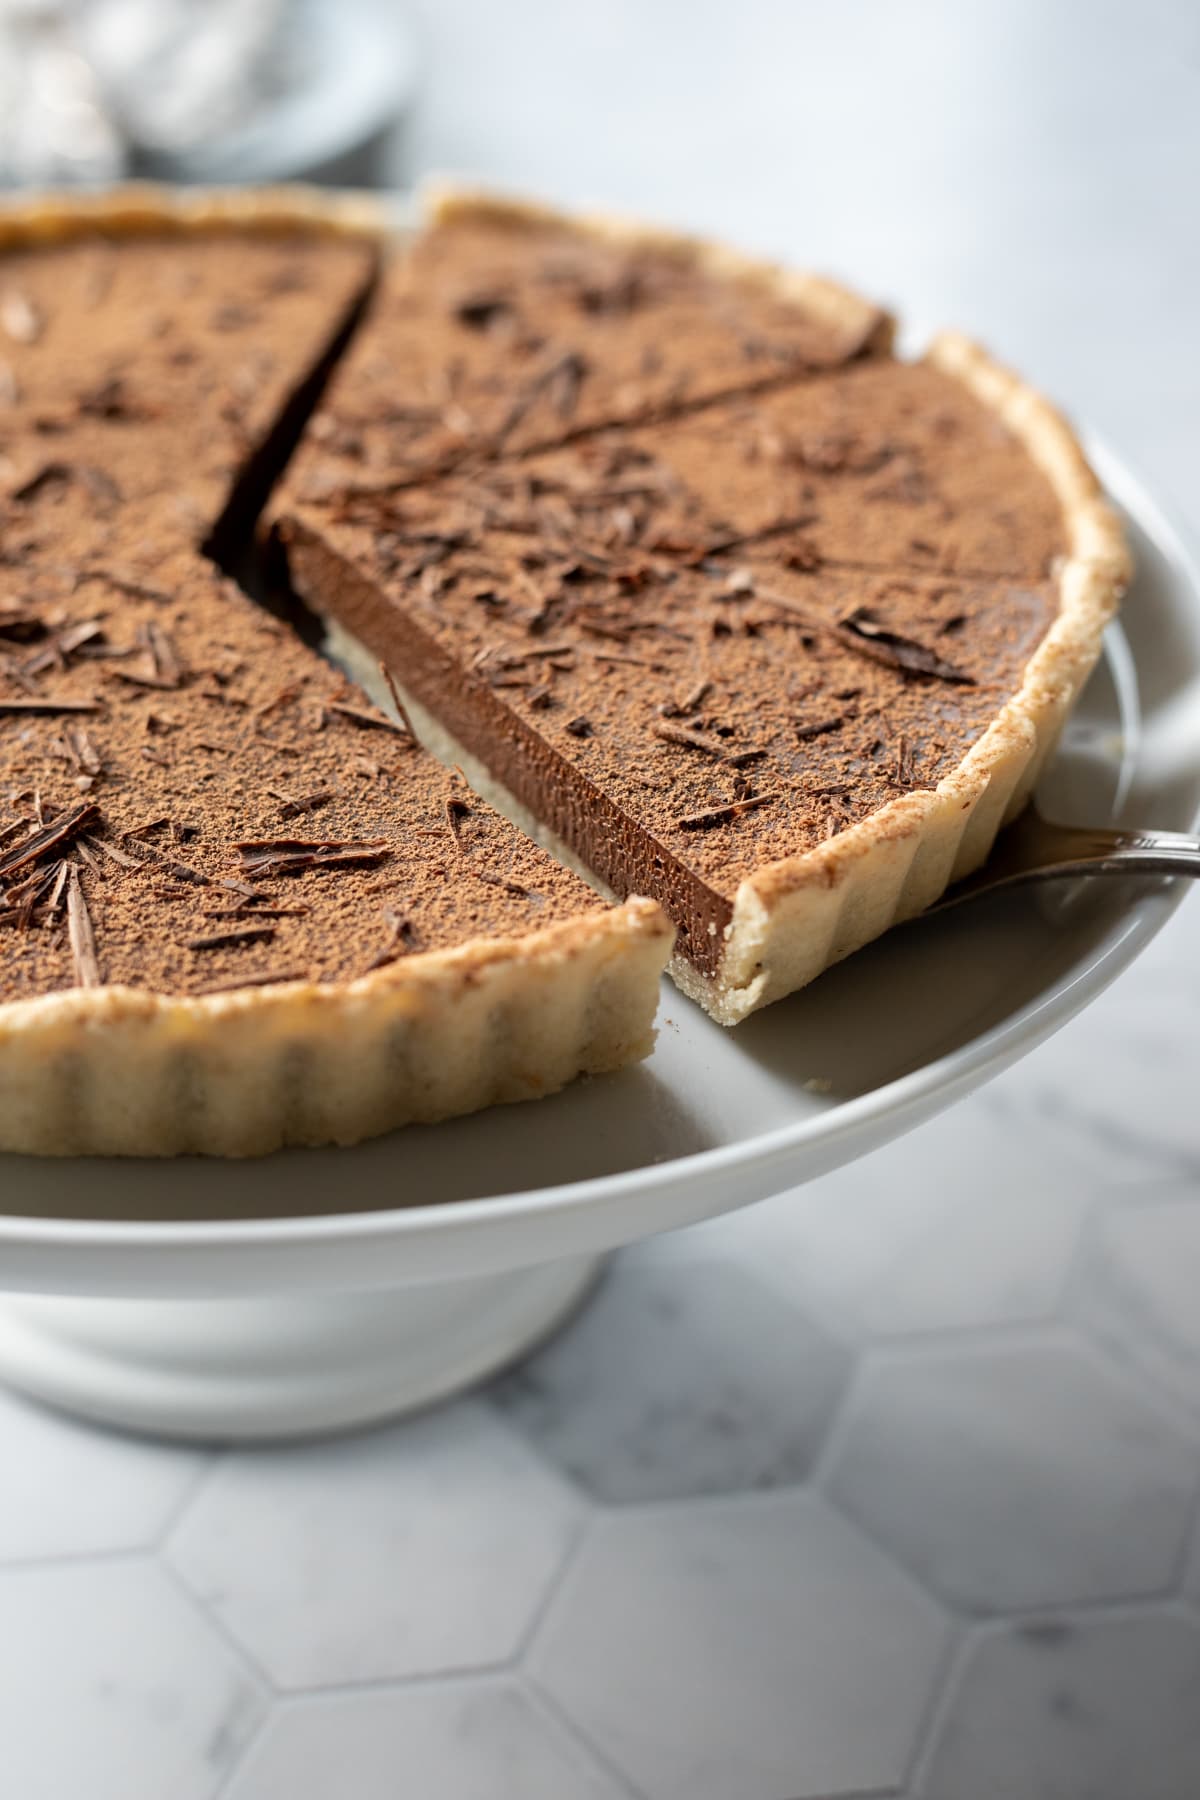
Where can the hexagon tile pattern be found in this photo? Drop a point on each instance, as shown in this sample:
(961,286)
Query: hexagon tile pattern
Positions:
(752,1650)
(112,1687)
(962,1223)
(466,1740)
(422,1548)
(680,1380)
(1099,1709)
(1028,1474)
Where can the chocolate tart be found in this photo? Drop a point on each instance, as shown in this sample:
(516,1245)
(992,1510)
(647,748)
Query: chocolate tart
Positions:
(239,906)
(783,658)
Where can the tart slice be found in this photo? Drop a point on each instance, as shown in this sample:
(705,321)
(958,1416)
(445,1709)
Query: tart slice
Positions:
(505,326)
(241,908)
(785,664)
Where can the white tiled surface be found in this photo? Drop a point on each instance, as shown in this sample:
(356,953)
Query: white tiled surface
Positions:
(731,1649)
(888,1486)
(433,1549)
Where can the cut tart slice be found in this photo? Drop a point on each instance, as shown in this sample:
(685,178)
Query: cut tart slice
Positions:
(507,326)
(709,658)
(241,908)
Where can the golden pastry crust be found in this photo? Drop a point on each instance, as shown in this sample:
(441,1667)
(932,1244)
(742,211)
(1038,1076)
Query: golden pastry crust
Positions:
(121,1072)
(137,208)
(795,918)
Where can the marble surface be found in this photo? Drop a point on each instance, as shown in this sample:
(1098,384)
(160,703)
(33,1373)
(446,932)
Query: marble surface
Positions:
(890,1486)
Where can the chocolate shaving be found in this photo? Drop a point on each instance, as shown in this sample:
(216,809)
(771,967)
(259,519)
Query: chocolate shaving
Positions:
(85,853)
(906,774)
(59,831)
(636,662)
(723,815)
(399,943)
(250,909)
(164,668)
(182,871)
(479,311)
(398,703)
(124,584)
(678,709)
(64,644)
(286,856)
(708,746)
(356,715)
(504,883)
(861,631)
(819,727)
(20,624)
(690,740)
(228,940)
(100,486)
(580,728)
(284,697)
(114,855)
(456,812)
(60,882)
(292,805)
(561,381)
(80,933)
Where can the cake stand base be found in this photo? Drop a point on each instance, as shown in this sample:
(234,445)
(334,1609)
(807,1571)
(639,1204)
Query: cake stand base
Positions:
(261,1369)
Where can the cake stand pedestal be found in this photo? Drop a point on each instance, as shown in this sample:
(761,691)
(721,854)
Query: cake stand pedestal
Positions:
(279,1366)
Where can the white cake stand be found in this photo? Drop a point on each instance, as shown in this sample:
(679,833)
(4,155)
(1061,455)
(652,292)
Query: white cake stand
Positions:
(316,1290)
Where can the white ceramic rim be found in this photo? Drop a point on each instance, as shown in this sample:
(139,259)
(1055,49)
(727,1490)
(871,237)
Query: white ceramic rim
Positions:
(883,1113)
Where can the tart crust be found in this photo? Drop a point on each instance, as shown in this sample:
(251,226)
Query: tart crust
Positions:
(795,918)
(116,1071)
(121,1071)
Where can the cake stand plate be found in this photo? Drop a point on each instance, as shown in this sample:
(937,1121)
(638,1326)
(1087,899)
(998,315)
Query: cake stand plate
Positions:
(314,1290)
